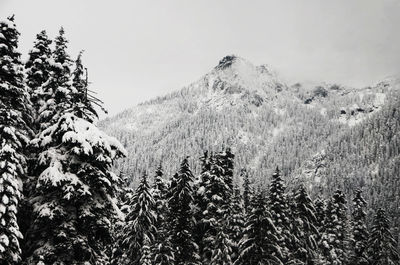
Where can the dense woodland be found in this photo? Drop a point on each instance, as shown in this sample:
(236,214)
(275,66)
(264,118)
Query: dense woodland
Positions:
(60,202)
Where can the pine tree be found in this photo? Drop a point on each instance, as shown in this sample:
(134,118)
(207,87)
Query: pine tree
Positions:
(280,212)
(334,238)
(38,68)
(139,232)
(320,212)
(83,101)
(74,199)
(217,192)
(359,231)
(162,248)
(55,95)
(246,189)
(159,193)
(259,244)
(146,255)
(226,160)
(74,196)
(14,133)
(236,220)
(304,229)
(381,245)
(180,201)
(222,250)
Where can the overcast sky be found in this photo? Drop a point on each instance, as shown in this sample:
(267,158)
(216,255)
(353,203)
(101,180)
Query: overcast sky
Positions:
(136,50)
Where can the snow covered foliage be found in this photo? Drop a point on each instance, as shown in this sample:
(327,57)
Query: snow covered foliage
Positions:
(180,204)
(382,246)
(138,234)
(304,247)
(236,220)
(38,67)
(328,135)
(83,102)
(334,240)
(73,202)
(260,243)
(280,212)
(14,133)
(55,94)
(360,234)
(162,248)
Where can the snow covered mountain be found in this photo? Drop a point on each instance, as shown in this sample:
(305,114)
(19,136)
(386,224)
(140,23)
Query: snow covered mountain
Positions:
(327,136)
(248,108)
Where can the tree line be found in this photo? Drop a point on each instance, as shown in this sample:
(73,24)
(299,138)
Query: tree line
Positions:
(210,219)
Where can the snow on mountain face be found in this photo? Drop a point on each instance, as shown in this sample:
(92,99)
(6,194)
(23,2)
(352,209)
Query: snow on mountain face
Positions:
(247,107)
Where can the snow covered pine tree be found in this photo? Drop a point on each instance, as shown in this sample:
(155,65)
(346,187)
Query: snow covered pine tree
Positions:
(74,198)
(139,232)
(260,244)
(360,235)
(180,203)
(381,245)
(13,140)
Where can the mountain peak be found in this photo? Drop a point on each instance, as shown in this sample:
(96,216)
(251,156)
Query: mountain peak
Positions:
(227,61)
(234,72)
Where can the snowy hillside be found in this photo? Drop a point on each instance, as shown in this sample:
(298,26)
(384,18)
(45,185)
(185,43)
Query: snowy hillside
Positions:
(247,107)
(326,136)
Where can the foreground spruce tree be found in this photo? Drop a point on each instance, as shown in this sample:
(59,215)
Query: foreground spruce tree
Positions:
(13,139)
(139,231)
(381,245)
(180,202)
(359,231)
(74,196)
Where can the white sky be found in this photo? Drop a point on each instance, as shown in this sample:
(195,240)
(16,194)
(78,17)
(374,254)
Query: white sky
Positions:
(136,50)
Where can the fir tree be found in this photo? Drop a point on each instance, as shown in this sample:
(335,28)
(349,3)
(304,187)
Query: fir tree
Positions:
(216,196)
(334,238)
(83,101)
(222,250)
(304,229)
(162,248)
(74,198)
(359,231)
(57,92)
(236,220)
(381,245)
(246,189)
(320,212)
(226,160)
(259,244)
(181,217)
(159,193)
(38,68)
(280,212)
(146,255)
(14,134)
(139,231)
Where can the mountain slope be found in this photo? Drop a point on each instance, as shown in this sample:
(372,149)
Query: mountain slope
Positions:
(247,107)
